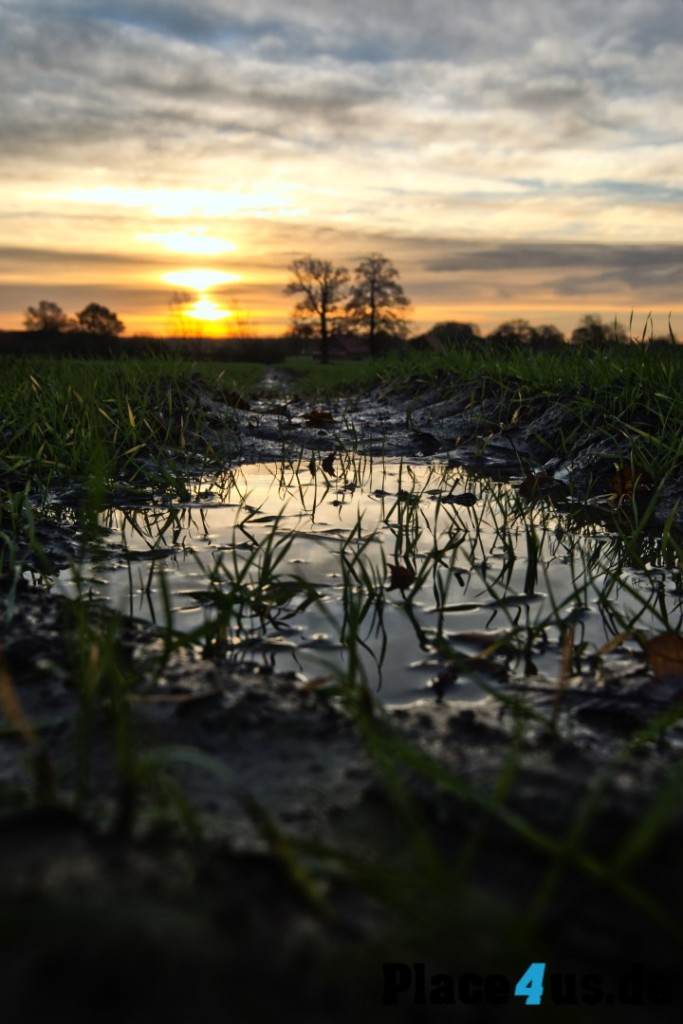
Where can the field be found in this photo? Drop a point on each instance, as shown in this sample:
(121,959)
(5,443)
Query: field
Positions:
(197,827)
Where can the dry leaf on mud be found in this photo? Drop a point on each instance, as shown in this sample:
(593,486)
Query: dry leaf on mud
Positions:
(401,576)
(319,418)
(316,683)
(664,655)
(629,477)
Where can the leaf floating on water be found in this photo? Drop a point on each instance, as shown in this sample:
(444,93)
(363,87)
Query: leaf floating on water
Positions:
(664,655)
(401,577)
(328,464)
(408,496)
(149,554)
(487,638)
(467,498)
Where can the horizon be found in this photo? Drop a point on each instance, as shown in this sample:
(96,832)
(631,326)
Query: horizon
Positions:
(512,164)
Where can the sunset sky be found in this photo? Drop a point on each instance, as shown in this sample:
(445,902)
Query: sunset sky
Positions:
(512,159)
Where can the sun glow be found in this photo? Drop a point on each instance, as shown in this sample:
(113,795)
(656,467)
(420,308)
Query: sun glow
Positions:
(207,310)
(200,280)
(193,242)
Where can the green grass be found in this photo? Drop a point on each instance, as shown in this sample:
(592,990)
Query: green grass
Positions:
(62,417)
(312,379)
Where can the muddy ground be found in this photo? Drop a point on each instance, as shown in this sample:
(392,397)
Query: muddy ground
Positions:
(119,908)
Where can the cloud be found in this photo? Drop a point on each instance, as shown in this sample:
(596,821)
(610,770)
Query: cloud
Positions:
(164,78)
(504,125)
(649,272)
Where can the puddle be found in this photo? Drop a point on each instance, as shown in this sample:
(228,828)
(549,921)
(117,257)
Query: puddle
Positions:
(281,566)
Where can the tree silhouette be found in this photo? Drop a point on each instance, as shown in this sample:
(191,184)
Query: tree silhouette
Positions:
(46,316)
(96,319)
(376,296)
(521,332)
(592,331)
(323,288)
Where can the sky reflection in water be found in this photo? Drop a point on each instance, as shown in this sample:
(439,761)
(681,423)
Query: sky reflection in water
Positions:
(494,570)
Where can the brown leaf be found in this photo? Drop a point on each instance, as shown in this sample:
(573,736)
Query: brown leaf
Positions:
(534,484)
(628,478)
(664,655)
(401,577)
(315,684)
(319,418)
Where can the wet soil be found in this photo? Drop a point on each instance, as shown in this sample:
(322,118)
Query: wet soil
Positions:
(113,905)
(483,435)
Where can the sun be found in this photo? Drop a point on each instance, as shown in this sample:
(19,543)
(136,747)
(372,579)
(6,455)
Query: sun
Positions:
(200,306)
(206,310)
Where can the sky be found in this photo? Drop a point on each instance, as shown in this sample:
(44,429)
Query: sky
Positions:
(171,159)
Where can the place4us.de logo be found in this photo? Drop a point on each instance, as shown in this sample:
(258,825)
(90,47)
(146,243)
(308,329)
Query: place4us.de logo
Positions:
(534,986)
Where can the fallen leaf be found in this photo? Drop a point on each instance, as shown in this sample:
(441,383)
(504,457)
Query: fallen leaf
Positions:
(319,418)
(628,478)
(467,498)
(401,577)
(408,496)
(613,643)
(315,684)
(664,655)
(328,464)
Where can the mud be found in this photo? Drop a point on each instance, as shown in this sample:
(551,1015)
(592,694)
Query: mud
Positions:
(483,436)
(118,872)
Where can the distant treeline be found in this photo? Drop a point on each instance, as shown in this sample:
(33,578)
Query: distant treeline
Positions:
(591,331)
(90,346)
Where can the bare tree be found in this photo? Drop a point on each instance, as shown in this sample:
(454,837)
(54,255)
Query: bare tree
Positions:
(376,297)
(323,288)
(96,319)
(46,316)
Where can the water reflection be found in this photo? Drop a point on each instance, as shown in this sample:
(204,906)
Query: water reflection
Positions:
(423,569)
